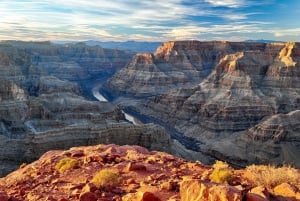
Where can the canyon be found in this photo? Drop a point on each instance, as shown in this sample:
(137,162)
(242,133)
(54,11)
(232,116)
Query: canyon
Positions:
(46,102)
(239,100)
(232,101)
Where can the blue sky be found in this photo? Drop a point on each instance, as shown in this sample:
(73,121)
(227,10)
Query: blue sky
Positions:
(149,20)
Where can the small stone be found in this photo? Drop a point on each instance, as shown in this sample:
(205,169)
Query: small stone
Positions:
(78,153)
(136,167)
(254,197)
(147,196)
(169,186)
(88,196)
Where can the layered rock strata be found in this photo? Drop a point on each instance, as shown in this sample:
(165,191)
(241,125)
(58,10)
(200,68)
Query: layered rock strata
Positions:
(42,105)
(245,84)
(173,65)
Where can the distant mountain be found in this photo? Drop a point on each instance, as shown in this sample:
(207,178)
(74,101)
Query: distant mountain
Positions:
(262,41)
(128,45)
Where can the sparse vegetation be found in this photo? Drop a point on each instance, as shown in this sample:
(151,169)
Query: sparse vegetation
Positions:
(106,177)
(222,173)
(271,176)
(23,165)
(66,164)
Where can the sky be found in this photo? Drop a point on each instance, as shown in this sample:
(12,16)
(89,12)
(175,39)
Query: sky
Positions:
(149,20)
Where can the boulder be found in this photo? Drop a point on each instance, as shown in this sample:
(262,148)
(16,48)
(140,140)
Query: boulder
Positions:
(198,190)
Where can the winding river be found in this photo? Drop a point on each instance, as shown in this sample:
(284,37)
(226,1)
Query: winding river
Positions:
(188,142)
(101,98)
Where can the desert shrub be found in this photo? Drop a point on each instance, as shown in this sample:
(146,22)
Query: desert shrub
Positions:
(106,177)
(222,173)
(271,176)
(23,165)
(66,164)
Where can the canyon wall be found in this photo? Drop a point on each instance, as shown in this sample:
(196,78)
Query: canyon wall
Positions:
(43,104)
(240,100)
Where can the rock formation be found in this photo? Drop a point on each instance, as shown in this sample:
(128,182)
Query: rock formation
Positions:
(173,65)
(229,96)
(132,173)
(42,105)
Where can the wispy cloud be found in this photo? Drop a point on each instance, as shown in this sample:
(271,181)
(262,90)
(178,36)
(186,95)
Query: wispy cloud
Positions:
(130,19)
(227,3)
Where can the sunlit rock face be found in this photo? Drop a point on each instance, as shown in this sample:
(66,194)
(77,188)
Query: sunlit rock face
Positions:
(173,65)
(226,99)
(134,173)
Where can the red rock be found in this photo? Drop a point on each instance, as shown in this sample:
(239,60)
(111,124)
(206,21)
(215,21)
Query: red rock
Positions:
(169,186)
(88,196)
(94,158)
(77,153)
(3,196)
(196,190)
(147,196)
(136,167)
(254,197)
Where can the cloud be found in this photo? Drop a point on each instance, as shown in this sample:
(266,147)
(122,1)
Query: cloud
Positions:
(287,32)
(130,19)
(227,3)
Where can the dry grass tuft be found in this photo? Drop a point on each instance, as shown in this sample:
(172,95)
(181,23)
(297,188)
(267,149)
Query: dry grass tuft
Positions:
(106,177)
(66,164)
(271,176)
(222,173)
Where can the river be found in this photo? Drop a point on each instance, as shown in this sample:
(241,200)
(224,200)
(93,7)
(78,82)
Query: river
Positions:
(188,142)
(101,98)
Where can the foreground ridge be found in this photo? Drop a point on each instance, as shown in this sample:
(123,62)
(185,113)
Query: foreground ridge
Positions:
(112,172)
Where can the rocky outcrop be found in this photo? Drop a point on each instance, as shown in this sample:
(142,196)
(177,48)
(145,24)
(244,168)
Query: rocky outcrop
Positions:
(173,65)
(205,191)
(133,173)
(240,88)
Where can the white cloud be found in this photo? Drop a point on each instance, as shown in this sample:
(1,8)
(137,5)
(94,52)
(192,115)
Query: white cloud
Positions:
(227,3)
(124,19)
(287,32)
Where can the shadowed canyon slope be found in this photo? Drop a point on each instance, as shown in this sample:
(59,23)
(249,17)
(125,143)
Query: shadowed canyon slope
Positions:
(42,103)
(240,100)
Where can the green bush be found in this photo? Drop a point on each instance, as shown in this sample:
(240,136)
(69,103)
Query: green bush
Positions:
(222,173)
(106,177)
(66,164)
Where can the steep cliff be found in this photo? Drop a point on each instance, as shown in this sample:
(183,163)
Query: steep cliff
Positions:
(173,65)
(244,84)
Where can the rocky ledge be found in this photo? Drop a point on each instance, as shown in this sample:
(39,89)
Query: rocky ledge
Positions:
(132,173)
